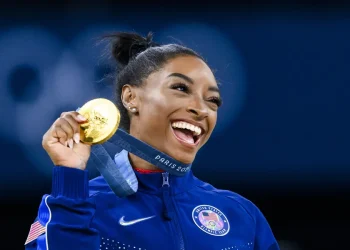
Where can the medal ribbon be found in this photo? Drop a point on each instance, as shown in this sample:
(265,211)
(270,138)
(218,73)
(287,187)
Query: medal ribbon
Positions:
(122,179)
(149,153)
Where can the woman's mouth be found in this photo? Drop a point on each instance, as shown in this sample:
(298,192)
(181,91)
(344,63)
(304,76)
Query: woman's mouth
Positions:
(187,133)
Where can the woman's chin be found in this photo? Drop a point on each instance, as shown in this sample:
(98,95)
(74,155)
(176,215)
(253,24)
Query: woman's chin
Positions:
(183,157)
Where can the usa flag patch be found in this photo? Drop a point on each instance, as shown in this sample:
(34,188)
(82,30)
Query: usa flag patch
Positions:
(36,229)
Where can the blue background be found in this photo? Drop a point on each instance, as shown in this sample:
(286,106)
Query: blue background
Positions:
(282,138)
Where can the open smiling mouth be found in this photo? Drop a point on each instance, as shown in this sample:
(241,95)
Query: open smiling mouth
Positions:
(187,133)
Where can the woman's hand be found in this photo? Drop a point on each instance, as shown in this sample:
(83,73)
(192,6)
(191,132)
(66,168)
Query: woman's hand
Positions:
(62,141)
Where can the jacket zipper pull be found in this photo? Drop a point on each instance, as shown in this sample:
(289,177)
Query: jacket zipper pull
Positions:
(167,211)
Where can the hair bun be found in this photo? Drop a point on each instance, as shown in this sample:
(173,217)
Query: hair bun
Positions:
(127,45)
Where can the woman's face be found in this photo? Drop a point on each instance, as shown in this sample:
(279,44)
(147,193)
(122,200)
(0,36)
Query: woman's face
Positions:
(177,108)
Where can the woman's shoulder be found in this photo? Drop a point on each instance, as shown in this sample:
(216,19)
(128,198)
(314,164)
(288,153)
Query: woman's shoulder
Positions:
(230,196)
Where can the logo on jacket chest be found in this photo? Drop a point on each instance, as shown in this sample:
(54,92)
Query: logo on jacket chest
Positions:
(210,220)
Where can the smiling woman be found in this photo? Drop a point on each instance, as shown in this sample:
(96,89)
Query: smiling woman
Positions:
(174,102)
(168,98)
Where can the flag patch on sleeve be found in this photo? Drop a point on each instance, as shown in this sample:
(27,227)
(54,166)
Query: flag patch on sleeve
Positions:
(36,229)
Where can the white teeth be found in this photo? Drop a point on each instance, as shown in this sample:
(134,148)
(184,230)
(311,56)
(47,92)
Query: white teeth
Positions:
(185,125)
(197,130)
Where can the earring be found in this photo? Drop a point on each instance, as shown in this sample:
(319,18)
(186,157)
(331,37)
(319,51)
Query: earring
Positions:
(132,109)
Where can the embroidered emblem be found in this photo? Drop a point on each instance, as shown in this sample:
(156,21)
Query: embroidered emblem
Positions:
(210,220)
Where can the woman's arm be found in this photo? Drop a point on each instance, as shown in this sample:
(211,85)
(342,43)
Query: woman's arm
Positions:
(264,238)
(65,215)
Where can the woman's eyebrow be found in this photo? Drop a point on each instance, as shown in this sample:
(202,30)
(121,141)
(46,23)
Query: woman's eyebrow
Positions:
(214,89)
(186,78)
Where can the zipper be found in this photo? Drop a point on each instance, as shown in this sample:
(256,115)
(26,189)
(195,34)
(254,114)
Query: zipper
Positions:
(169,209)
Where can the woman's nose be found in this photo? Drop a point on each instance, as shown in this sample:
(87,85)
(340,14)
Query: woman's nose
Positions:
(198,110)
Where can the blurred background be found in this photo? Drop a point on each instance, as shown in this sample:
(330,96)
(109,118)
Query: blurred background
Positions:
(282,138)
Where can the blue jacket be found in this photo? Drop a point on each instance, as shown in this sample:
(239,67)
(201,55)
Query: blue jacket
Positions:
(166,212)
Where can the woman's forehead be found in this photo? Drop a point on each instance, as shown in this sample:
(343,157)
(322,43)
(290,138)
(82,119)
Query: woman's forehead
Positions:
(190,66)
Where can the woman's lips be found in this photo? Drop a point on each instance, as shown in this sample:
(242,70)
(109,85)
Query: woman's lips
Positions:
(186,138)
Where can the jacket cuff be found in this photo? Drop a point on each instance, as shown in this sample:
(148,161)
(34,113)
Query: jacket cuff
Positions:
(70,182)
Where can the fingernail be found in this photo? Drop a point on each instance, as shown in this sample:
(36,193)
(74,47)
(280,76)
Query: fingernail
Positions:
(70,142)
(81,118)
(76,137)
(66,143)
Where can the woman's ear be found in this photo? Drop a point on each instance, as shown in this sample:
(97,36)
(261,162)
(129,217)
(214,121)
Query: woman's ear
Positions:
(129,98)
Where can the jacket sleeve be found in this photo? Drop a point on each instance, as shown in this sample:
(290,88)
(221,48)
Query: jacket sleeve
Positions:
(264,238)
(65,215)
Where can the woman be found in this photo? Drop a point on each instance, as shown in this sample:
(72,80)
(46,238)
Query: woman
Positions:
(169,99)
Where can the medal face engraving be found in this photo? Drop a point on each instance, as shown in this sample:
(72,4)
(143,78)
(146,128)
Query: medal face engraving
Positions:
(103,121)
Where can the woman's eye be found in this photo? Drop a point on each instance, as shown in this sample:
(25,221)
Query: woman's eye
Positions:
(216,100)
(181,87)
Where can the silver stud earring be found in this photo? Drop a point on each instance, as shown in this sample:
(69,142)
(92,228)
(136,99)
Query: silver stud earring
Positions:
(132,109)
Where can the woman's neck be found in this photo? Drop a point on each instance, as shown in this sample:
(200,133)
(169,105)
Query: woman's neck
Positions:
(139,164)
(142,166)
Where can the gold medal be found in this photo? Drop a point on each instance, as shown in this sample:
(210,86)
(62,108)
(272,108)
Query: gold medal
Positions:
(103,121)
